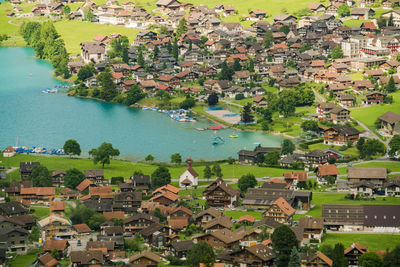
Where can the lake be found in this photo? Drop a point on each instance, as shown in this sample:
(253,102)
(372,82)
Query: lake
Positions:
(48,120)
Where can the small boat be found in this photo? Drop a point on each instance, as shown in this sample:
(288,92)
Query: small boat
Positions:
(234,136)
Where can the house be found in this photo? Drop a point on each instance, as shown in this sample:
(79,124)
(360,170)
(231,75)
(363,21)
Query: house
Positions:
(250,156)
(257,255)
(339,115)
(190,178)
(57,207)
(324,171)
(392,187)
(87,258)
(346,100)
(145,258)
(96,177)
(14,239)
(312,228)
(340,135)
(11,209)
(220,222)
(138,222)
(38,194)
(60,245)
(9,152)
(92,52)
(25,168)
(129,201)
(15,187)
(219,193)
(316,7)
(46,260)
(82,229)
(362,13)
(374,97)
(390,123)
(180,248)
(165,198)
(140,182)
(318,259)
(353,253)
(395,14)
(280,211)
(363,85)
(257,14)
(242,76)
(375,175)
(58,177)
(166,188)
(259,101)
(294,178)
(222,238)
(85,184)
(315,158)
(56,227)
(207,215)
(168,5)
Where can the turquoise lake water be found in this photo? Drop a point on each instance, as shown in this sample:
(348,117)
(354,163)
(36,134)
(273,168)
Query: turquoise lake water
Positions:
(47,120)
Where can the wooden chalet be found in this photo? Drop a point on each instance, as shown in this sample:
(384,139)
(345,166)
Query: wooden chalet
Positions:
(219,193)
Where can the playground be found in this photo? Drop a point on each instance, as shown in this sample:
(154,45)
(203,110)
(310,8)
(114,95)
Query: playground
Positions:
(225,115)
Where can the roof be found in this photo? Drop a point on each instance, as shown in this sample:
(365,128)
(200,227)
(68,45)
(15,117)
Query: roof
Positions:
(94,173)
(247,218)
(101,190)
(220,183)
(57,205)
(311,223)
(109,245)
(178,223)
(285,206)
(113,230)
(145,254)
(182,245)
(382,215)
(329,169)
(86,257)
(12,208)
(345,130)
(357,246)
(266,221)
(262,252)
(367,172)
(84,184)
(47,260)
(167,187)
(210,211)
(54,218)
(299,176)
(224,221)
(82,228)
(390,117)
(167,194)
(51,244)
(114,214)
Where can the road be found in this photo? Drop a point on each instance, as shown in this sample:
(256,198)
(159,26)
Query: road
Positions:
(231,103)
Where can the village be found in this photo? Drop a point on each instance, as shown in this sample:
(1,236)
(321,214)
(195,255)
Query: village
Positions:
(325,78)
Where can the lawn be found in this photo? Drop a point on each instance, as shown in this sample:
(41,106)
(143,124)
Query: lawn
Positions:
(87,31)
(41,212)
(126,168)
(22,260)
(353,22)
(356,75)
(348,152)
(391,166)
(368,115)
(338,198)
(373,241)
(236,214)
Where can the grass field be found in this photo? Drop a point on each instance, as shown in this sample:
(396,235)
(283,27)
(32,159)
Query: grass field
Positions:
(356,75)
(22,260)
(391,166)
(348,152)
(41,212)
(236,214)
(368,115)
(373,241)
(338,198)
(126,168)
(353,23)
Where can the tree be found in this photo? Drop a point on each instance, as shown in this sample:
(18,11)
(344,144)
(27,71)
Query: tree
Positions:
(133,95)
(149,157)
(188,103)
(198,252)
(34,235)
(268,39)
(337,52)
(266,113)
(391,86)
(225,73)
(392,258)
(390,21)
(55,254)
(370,259)
(160,177)
(360,143)
(140,57)
(72,147)
(108,87)
(272,158)
(216,169)
(182,27)
(338,258)
(371,148)
(103,153)
(176,158)
(283,240)
(332,160)
(236,65)
(40,176)
(212,99)
(247,181)
(246,115)
(343,10)
(394,145)
(95,220)
(157,213)
(309,125)
(294,258)
(207,172)
(287,147)
(66,10)
(73,178)
(80,214)
(134,244)
(175,50)
(286,103)
(86,71)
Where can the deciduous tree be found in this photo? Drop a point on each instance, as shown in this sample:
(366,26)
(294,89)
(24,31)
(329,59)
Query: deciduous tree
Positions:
(283,240)
(72,147)
(73,178)
(160,177)
(247,181)
(103,153)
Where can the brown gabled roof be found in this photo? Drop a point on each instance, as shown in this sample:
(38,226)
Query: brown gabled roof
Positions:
(247,218)
(51,244)
(285,206)
(114,214)
(389,117)
(167,187)
(145,254)
(311,223)
(82,228)
(94,191)
(85,257)
(57,206)
(84,184)
(224,221)
(367,172)
(329,169)
(357,246)
(262,252)
(299,176)
(47,260)
(94,173)
(220,183)
(192,171)
(167,194)
(184,209)
(210,211)
(178,223)
(109,245)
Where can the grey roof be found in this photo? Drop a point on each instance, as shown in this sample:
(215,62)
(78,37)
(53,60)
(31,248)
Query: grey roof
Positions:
(182,245)
(12,208)
(367,172)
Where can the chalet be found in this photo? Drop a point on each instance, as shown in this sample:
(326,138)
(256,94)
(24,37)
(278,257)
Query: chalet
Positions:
(57,227)
(15,187)
(207,215)
(390,123)
(229,10)
(25,168)
(166,188)
(166,198)
(92,52)
(257,255)
(312,228)
(130,201)
(375,97)
(316,7)
(284,18)
(392,187)
(38,194)
(222,238)
(138,222)
(96,177)
(46,260)
(243,76)
(257,14)
(11,209)
(363,85)
(339,115)
(58,177)
(362,13)
(346,100)
(189,178)
(250,156)
(353,253)
(324,171)
(219,193)
(315,158)
(231,27)
(294,178)
(318,259)
(336,88)
(375,175)
(60,245)
(259,101)
(145,258)
(57,207)
(180,248)
(85,184)
(280,211)
(340,135)
(323,109)
(14,240)
(108,246)
(87,258)
(220,222)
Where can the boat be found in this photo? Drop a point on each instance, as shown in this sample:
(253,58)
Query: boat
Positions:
(54,90)
(234,136)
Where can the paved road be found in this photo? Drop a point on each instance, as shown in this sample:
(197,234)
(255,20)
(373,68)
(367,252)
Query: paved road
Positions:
(318,96)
